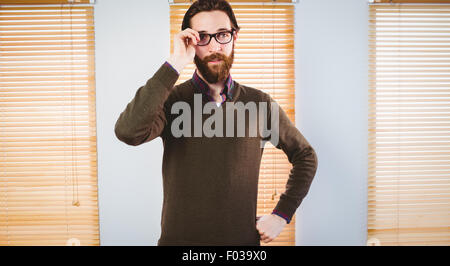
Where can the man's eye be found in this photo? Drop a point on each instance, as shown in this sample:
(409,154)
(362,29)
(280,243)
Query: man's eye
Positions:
(223,34)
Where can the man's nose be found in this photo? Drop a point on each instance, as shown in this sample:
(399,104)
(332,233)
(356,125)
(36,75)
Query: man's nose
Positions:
(214,46)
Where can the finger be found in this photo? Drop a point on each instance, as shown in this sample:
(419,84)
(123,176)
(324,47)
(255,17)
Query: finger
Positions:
(193,32)
(189,36)
(264,236)
(268,240)
(186,34)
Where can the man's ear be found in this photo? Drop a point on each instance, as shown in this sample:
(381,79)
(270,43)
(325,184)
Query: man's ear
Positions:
(235,36)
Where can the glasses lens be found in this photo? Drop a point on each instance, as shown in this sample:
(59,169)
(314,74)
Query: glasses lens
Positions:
(204,39)
(224,37)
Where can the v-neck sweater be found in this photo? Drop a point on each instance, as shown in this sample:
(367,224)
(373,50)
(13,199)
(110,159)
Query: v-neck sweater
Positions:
(210,184)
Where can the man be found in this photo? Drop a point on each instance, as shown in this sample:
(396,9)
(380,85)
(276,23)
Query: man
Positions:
(210,183)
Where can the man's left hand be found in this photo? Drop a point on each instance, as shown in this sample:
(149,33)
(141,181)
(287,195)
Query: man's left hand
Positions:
(270,226)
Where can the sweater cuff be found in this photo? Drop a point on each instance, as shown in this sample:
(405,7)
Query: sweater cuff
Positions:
(168,64)
(282,215)
(286,206)
(167,75)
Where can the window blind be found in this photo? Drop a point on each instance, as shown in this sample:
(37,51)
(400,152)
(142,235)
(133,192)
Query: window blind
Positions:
(409,125)
(238,1)
(43,2)
(48,155)
(412,1)
(264,59)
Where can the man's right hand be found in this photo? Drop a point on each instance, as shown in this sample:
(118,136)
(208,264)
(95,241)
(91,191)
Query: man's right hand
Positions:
(183,48)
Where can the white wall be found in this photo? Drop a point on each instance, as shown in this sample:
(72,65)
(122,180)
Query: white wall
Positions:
(331,111)
(132,41)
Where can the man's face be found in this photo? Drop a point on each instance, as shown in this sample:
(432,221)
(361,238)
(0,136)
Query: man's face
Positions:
(214,60)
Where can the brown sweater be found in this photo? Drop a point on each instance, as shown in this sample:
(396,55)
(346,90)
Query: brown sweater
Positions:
(210,184)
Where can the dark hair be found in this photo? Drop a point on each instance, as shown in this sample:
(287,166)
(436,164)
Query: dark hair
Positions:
(209,5)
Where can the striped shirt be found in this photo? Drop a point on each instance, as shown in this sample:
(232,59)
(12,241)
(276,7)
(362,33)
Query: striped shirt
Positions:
(202,86)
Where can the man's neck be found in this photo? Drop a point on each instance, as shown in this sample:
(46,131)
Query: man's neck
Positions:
(215,88)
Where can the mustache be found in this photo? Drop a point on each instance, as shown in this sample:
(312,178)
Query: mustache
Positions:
(214,57)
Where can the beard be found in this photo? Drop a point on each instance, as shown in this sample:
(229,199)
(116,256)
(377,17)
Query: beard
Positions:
(217,72)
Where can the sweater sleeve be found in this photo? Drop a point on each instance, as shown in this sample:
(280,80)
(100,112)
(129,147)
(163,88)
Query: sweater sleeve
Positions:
(144,118)
(304,165)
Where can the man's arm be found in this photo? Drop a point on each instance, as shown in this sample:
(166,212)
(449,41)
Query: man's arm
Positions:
(304,165)
(145,116)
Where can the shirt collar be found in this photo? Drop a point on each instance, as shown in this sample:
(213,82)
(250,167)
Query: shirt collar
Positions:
(202,86)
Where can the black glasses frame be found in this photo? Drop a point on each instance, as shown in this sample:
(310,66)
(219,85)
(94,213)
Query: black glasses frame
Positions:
(215,37)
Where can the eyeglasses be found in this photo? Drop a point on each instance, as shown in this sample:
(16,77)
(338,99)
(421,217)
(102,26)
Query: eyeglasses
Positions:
(222,37)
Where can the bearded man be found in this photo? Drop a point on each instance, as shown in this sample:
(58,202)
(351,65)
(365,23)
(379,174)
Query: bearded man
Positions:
(210,184)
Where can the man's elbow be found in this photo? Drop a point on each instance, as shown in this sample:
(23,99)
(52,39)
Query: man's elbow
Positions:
(313,156)
(307,158)
(125,135)
(314,159)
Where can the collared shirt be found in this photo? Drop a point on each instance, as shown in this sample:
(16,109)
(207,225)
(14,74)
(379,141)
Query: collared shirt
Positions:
(202,86)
